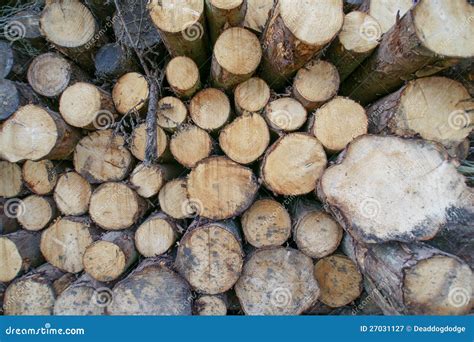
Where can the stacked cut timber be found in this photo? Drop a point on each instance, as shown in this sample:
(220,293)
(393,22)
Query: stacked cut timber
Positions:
(416,46)
(280,157)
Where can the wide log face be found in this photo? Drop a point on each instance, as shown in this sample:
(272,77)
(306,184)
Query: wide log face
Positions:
(237,157)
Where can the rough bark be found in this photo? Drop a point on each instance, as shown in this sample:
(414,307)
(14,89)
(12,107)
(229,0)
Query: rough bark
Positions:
(294,34)
(434,108)
(413,279)
(182,29)
(412,48)
(113,60)
(224,14)
(357,40)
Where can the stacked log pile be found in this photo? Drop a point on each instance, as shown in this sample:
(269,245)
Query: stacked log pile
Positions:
(236,157)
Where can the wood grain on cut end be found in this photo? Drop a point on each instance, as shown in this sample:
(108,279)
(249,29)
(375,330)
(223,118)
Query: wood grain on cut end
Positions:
(257,14)
(386,11)
(72,194)
(104,260)
(49,74)
(418,190)
(315,232)
(222,187)
(210,257)
(210,109)
(251,95)
(38,212)
(183,77)
(171,113)
(359,36)
(11,183)
(34,132)
(19,252)
(173,199)
(338,122)
(63,244)
(316,83)
(245,139)
(107,259)
(147,180)
(285,114)
(12,261)
(360,33)
(439,285)
(210,306)
(339,280)
(116,206)
(151,289)
(84,297)
(174,19)
(130,92)
(290,290)
(190,144)
(102,156)
(68,23)
(156,235)
(33,294)
(139,141)
(236,56)
(40,177)
(85,105)
(266,223)
(293,164)
(435,108)
(303,19)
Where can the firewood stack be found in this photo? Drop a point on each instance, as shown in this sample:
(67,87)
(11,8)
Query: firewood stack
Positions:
(236,157)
